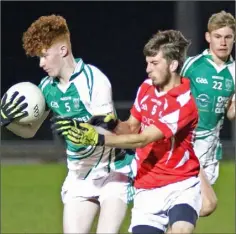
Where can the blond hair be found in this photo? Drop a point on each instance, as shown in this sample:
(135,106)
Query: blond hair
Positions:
(43,33)
(172,43)
(220,20)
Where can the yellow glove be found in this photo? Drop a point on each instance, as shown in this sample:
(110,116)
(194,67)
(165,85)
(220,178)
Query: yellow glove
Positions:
(83,134)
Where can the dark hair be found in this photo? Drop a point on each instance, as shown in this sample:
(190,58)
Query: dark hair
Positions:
(172,43)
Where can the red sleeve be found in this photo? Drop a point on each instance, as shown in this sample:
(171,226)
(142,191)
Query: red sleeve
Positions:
(176,118)
(136,108)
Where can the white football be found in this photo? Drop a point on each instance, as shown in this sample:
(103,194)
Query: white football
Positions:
(33,96)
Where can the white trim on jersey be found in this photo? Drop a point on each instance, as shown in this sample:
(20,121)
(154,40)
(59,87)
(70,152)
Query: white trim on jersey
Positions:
(171,121)
(189,62)
(184,98)
(231,68)
(45,82)
(184,159)
(101,98)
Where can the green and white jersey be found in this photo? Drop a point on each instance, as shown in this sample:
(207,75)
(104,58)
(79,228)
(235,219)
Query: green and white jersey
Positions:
(212,86)
(88,93)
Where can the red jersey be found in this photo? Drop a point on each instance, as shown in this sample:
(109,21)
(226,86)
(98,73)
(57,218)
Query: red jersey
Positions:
(171,159)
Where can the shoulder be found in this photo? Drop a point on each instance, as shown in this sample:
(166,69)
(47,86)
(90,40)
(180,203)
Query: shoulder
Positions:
(146,84)
(97,73)
(45,83)
(191,63)
(97,77)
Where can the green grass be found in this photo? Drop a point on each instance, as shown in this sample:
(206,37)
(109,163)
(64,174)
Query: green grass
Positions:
(30,200)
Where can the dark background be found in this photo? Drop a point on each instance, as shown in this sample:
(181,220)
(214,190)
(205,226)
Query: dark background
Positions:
(110,35)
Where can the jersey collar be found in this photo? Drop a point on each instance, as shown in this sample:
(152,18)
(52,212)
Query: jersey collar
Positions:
(78,69)
(176,91)
(180,89)
(207,55)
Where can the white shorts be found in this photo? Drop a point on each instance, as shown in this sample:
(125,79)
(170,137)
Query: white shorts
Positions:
(151,206)
(212,172)
(115,184)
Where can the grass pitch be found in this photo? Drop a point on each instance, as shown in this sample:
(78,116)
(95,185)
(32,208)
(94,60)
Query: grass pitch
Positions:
(30,200)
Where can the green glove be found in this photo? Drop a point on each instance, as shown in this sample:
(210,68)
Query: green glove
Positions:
(84,134)
(12,110)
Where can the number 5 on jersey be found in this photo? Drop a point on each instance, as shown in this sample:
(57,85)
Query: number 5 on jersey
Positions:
(67,106)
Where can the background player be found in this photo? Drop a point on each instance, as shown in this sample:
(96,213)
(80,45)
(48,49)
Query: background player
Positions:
(161,127)
(77,90)
(212,77)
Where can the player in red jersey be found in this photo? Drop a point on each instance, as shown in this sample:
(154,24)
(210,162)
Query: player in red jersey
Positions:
(160,128)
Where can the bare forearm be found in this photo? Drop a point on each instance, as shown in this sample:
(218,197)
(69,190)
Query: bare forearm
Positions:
(123,127)
(130,141)
(231,113)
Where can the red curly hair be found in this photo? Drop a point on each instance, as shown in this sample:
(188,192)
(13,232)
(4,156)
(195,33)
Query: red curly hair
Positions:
(44,32)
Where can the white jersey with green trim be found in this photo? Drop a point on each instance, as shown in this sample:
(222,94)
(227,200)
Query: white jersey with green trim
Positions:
(212,86)
(87,93)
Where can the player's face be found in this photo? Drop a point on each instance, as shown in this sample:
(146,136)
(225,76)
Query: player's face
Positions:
(221,42)
(51,61)
(158,69)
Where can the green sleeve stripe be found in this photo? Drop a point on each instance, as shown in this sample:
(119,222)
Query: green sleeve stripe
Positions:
(109,160)
(81,151)
(78,156)
(92,81)
(97,162)
(89,79)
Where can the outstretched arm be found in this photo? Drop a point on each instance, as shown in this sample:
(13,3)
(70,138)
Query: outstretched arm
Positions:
(132,141)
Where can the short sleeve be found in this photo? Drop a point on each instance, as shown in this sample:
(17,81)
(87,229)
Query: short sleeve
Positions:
(136,110)
(101,101)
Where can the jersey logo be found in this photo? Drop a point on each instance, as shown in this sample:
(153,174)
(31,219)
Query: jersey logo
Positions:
(201,80)
(203,100)
(76,103)
(144,107)
(65,98)
(228,84)
(218,77)
(156,101)
(54,104)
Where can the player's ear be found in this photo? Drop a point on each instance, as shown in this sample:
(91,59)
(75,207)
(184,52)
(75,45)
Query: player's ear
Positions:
(63,50)
(174,65)
(207,37)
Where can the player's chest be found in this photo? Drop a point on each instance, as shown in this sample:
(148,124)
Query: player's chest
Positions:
(151,108)
(212,83)
(68,102)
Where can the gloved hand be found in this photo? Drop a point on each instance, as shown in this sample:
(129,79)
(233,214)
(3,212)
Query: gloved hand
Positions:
(60,123)
(108,122)
(83,134)
(12,110)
